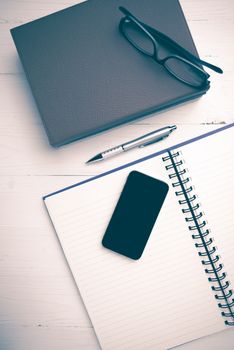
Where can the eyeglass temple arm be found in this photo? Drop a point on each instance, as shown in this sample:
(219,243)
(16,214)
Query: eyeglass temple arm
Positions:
(176,46)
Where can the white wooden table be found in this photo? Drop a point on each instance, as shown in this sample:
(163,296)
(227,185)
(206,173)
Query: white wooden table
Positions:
(40,306)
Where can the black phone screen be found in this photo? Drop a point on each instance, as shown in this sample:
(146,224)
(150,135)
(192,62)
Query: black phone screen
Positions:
(135,214)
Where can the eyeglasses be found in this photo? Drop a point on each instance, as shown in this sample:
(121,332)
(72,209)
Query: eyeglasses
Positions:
(184,66)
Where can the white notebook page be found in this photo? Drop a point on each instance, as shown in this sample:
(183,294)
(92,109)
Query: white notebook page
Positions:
(156,302)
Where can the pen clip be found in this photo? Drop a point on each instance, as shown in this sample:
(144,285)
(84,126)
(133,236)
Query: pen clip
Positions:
(153,141)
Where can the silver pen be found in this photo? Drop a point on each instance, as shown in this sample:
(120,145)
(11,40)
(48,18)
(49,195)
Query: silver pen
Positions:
(142,141)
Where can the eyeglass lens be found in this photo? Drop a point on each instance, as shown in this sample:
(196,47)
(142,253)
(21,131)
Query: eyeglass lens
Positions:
(138,37)
(185,71)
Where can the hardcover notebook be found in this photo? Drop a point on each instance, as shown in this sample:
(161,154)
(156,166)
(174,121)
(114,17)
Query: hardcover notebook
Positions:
(182,286)
(86,77)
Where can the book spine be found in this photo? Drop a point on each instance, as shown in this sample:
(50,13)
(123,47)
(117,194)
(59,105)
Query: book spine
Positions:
(197,225)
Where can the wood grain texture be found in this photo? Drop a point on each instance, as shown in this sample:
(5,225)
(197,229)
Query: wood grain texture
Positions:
(40,306)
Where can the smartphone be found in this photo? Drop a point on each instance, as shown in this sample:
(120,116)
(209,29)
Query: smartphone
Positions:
(135,215)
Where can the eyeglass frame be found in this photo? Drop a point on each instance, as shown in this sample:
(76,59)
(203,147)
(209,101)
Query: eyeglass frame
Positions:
(152,34)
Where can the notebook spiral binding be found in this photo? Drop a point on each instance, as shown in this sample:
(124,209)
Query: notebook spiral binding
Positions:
(201,234)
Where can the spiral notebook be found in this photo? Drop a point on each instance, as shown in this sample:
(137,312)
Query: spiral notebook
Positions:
(182,287)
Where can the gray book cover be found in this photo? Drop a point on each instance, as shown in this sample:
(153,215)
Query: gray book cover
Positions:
(86,78)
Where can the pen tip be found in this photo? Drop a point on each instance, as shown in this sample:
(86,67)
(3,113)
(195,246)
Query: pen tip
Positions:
(94,159)
(173,127)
